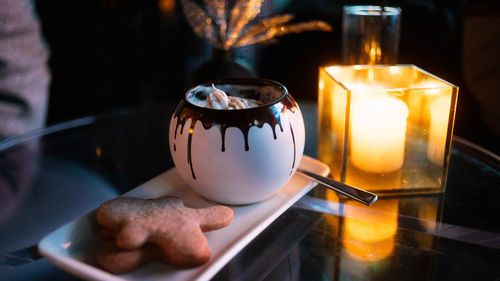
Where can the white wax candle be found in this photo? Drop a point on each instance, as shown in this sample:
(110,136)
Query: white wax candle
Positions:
(438,129)
(378,133)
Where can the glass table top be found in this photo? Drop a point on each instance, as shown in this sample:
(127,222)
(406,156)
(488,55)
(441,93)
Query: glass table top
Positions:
(52,176)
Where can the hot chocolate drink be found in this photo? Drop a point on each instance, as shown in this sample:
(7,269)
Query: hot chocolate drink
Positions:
(231,97)
(237,142)
(218,99)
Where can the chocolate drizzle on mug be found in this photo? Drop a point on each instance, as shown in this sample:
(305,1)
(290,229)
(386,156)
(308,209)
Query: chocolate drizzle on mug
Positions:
(294,147)
(243,119)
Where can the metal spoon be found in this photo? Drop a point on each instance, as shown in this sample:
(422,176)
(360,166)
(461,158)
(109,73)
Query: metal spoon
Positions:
(355,193)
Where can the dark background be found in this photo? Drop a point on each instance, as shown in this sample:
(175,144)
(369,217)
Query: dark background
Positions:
(109,54)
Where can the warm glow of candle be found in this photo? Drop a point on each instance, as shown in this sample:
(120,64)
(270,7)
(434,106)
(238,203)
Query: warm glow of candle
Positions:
(386,128)
(334,201)
(419,100)
(369,252)
(429,217)
(369,231)
(372,51)
(377,133)
(438,129)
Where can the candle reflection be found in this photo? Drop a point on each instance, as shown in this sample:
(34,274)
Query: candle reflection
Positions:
(368,232)
(439,112)
(372,50)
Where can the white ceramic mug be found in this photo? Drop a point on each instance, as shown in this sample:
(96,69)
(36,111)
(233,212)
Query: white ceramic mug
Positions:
(238,156)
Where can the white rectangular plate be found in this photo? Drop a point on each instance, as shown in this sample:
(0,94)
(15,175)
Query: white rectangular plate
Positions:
(74,246)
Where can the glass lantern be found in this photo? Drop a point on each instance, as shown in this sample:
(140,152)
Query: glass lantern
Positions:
(387,129)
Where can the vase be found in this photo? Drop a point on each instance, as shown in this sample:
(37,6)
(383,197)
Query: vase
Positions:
(222,65)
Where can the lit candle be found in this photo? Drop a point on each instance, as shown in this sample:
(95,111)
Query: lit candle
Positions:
(419,99)
(377,133)
(438,129)
(375,129)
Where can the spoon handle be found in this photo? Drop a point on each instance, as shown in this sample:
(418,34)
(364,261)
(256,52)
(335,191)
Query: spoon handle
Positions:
(355,193)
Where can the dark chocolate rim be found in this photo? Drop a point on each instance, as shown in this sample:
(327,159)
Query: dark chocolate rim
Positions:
(243,119)
(240,81)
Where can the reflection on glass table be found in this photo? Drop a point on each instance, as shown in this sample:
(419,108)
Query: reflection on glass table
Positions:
(325,237)
(57,174)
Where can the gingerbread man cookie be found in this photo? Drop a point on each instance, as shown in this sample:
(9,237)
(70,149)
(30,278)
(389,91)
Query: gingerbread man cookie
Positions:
(117,261)
(166,222)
